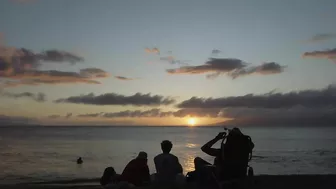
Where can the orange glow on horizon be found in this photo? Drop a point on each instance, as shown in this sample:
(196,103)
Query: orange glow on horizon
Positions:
(191,121)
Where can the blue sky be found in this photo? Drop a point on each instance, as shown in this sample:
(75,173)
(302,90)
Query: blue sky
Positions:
(112,35)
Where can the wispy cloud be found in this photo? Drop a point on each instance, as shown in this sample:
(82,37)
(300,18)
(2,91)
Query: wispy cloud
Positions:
(322,37)
(124,78)
(326,54)
(215,51)
(39,97)
(171,60)
(137,99)
(35,77)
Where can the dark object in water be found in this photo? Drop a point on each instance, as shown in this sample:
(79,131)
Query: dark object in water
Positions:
(79,160)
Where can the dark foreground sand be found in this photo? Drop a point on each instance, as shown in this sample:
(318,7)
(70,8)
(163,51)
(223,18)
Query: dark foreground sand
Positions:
(261,182)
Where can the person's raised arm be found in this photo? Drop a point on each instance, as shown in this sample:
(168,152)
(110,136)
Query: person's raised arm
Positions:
(207,148)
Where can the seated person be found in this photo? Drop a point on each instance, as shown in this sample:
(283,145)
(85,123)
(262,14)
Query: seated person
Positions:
(231,159)
(136,171)
(109,177)
(167,165)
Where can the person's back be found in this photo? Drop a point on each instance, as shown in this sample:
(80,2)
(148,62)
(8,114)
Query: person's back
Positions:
(136,171)
(236,151)
(167,165)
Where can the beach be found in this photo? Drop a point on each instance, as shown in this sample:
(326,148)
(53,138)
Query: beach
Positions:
(260,182)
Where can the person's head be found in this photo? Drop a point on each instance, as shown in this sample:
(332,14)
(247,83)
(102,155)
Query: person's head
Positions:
(166,146)
(109,172)
(235,131)
(142,155)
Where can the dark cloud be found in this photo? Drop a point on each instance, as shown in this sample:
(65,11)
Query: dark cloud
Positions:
(123,78)
(137,99)
(215,66)
(21,66)
(326,54)
(306,98)
(322,37)
(39,97)
(16,120)
(264,69)
(60,56)
(156,112)
(232,67)
(21,59)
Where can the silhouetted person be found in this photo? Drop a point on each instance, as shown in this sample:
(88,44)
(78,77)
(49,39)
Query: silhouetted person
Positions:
(231,160)
(136,171)
(109,177)
(167,165)
(79,160)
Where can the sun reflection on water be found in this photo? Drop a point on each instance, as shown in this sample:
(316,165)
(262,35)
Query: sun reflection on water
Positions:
(188,162)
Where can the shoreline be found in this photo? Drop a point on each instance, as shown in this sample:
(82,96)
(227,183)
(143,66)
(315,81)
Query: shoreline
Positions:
(261,181)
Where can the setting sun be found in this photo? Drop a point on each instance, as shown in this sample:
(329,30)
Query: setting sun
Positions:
(192,121)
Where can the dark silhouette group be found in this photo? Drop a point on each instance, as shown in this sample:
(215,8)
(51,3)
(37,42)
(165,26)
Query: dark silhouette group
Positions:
(231,161)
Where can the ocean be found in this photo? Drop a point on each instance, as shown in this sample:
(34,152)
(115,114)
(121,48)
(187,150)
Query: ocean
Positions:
(36,153)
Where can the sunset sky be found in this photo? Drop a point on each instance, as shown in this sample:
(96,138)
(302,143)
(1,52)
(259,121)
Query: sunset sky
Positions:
(154,62)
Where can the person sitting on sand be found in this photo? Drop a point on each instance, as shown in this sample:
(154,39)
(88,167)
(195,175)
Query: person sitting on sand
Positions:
(109,177)
(227,155)
(136,171)
(167,165)
(111,180)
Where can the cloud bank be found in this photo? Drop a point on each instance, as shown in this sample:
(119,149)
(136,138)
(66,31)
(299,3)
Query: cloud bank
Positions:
(306,98)
(137,99)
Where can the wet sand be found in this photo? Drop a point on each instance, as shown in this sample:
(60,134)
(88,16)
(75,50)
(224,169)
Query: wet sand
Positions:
(260,182)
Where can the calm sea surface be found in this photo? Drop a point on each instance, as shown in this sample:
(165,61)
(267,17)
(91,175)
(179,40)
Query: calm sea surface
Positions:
(49,153)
